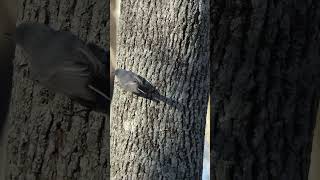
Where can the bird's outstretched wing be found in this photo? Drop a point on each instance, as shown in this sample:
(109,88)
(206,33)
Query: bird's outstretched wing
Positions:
(103,55)
(97,70)
(91,60)
(71,80)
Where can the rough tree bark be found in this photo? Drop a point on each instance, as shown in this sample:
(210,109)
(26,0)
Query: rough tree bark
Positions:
(45,141)
(165,42)
(264,77)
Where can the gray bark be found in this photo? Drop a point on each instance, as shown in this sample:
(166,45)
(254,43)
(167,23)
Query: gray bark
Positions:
(265,88)
(165,42)
(45,141)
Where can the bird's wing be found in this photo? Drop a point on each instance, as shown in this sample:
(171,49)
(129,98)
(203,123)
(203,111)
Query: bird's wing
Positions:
(137,79)
(101,54)
(139,89)
(141,84)
(90,59)
(71,79)
(130,84)
(79,81)
(98,70)
(136,85)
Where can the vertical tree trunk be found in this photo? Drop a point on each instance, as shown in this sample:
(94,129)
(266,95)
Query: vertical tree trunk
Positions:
(114,23)
(7,48)
(45,141)
(314,172)
(165,42)
(6,56)
(264,76)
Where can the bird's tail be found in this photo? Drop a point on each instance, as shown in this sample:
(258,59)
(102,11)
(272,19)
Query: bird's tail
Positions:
(157,98)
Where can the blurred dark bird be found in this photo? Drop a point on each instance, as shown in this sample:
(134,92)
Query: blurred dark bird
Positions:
(136,84)
(61,62)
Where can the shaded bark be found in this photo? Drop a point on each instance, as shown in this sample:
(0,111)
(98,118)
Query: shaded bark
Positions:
(45,140)
(165,42)
(265,88)
(7,48)
(314,172)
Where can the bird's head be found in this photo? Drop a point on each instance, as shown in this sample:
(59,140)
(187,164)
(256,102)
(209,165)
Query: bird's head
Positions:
(120,73)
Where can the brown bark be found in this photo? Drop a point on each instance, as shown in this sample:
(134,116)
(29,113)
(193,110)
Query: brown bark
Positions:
(264,80)
(45,141)
(165,42)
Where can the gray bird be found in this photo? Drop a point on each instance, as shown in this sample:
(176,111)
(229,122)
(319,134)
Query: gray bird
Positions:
(134,83)
(63,63)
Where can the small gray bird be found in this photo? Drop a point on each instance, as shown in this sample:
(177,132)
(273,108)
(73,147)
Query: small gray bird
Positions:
(134,83)
(63,63)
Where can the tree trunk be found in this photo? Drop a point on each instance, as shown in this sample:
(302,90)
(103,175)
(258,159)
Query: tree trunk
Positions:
(165,42)
(314,172)
(7,48)
(45,141)
(114,23)
(6,56)
(264,78)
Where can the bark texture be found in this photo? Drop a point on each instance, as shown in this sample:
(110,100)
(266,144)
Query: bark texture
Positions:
(265,88)
(45,141)
(165,42)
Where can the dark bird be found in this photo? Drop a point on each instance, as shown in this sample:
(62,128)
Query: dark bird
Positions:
(61,62)
(134,83)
